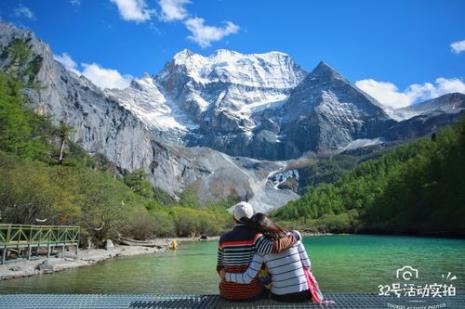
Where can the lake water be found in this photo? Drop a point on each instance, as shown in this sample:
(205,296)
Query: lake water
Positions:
(349,263)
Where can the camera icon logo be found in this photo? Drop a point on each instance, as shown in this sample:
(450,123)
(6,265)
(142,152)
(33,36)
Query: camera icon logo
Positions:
(407,273)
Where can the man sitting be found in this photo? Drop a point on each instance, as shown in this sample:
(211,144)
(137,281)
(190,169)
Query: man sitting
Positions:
(237,248)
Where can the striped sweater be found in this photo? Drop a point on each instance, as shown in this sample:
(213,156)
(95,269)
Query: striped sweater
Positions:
(286,269)
(235,252)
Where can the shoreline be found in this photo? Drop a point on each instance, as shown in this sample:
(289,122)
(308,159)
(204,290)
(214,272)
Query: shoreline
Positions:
(41,265)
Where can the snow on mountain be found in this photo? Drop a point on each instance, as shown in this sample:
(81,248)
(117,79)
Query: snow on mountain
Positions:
(448,104)
(144,99)
(194,98)
(268,70)
(361,143)
(228,82)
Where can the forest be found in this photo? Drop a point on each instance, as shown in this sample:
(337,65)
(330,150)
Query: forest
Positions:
(417,188)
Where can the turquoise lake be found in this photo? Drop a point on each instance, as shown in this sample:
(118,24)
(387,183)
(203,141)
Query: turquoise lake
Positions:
(342,263)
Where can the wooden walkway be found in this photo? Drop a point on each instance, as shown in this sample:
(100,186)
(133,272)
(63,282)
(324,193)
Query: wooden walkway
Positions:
(20,237)
(96,301)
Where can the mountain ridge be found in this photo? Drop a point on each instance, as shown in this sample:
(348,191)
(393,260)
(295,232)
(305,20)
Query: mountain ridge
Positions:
(222,105)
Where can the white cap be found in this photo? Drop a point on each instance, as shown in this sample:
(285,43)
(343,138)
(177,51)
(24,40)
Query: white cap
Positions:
(241,210)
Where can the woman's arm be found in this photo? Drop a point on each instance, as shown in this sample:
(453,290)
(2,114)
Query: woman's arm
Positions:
(302,252)
(247,276)
(303,255)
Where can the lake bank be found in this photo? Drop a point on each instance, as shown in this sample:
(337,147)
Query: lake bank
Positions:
(39,265)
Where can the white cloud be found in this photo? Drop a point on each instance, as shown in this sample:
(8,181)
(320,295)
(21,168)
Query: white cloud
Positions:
(386,93)
(204,35)
(458,47)
(105,78)
(389,95)
(68,62)
(101,77)
(23,11)
(75,2)
(172,10)
(134,10)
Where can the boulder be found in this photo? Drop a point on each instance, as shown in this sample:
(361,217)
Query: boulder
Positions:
(14,268)
(109,244)
(45,267)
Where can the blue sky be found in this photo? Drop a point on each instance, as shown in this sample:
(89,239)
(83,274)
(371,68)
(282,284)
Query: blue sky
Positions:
(398,51)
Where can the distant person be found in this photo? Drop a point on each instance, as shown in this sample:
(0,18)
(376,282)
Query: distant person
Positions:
(290,270)
(236,249)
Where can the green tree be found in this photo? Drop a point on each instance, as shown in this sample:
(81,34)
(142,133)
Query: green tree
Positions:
(137,181)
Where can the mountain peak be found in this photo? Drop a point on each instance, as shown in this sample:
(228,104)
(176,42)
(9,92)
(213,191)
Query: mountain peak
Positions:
(184,53)
(223,52)
(184,56)
(265,70)
(325,70)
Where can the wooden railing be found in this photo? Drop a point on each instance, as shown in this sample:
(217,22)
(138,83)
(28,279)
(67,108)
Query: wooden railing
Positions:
(21,235)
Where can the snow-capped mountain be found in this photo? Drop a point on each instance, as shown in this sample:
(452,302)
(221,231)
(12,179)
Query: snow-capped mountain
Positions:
(261,106)
(211,101)
(191,87)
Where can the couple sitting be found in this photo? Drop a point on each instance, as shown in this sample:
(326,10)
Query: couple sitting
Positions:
(257,248)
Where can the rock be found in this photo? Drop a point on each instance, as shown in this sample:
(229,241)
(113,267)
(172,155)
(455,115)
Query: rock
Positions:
(45,267)
(42,250)
(109,244)
(14,268)
(68,259)
(90,245)
(66,255)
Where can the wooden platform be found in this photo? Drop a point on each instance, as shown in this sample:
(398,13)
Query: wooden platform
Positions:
(98,301)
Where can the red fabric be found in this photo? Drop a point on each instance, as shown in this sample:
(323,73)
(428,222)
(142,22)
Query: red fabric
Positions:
(236,291)
(313,286)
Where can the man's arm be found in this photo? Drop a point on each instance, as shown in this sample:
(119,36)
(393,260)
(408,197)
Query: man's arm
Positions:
(247,276)
(264,246)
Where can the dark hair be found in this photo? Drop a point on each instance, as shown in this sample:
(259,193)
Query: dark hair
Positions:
(261,223)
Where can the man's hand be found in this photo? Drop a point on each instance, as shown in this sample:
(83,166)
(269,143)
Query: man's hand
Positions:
(222,274)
